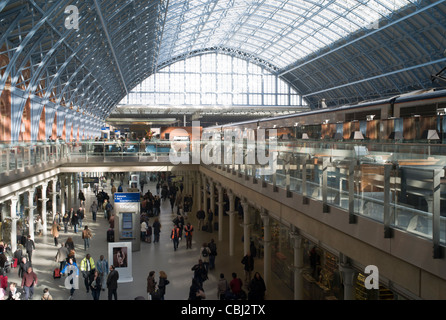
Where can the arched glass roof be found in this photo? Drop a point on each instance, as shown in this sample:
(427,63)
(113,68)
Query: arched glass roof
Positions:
(277,31)
(341,50)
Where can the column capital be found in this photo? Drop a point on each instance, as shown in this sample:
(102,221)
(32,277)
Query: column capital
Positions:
(231,213)
(348,273)
(264,214)
(14,198)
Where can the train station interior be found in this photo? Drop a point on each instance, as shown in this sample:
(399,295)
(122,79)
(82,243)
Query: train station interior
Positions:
(309,134)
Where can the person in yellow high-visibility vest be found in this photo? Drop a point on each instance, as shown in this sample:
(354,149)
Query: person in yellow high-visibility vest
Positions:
(87,268)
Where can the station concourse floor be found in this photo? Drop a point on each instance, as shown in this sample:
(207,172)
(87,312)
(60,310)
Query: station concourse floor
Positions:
(160,256)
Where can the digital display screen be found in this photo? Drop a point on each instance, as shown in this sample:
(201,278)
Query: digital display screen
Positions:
(127,221)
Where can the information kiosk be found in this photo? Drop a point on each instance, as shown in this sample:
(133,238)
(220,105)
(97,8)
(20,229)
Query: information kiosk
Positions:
(127,224)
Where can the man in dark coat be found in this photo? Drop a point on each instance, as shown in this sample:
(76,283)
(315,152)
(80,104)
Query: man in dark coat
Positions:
(75,221)
(112,283)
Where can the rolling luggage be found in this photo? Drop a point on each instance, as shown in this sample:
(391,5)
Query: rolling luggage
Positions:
(14,262)
(3,282)
(56,273)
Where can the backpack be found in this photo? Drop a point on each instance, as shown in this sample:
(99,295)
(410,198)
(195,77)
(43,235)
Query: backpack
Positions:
(205,253)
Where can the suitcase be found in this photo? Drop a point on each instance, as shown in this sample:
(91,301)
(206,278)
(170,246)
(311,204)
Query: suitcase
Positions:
(56,273)
(110,235)
(14,262)
(3,282)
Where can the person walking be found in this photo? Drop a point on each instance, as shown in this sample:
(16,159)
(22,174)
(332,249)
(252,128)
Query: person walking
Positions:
(162,283)
(75,220)
(156,230)
(82,198)
(188,232)
(143,230)
(175,237)
(151,284)
(65,221)
(29,281)
(204,255)
(69,244)
(23,266)
(95,285)
(73,269)
(236,287)
(248,263)
(212,254)
(94,209)
(13,294)
(30,247)
(112,283)
(46,295)
(196,291)
(222,287)
(80,215)
(257,288)
(61,255)
(87,268)
(102,268)
(200,216)
(55,232)
(200,272)
(86,235)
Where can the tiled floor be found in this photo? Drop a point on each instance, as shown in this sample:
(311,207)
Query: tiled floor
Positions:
(156,257)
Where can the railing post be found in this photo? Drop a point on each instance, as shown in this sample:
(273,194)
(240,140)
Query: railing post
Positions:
(387,219)
(325,206)
(304,181)
(437,174)
(351,192)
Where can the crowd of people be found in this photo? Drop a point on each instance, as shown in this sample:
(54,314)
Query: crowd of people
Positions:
(98,275)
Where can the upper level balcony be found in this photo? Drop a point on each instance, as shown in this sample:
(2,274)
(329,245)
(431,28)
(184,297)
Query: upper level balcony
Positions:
(400,185)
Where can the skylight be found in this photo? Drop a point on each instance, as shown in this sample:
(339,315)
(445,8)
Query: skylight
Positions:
(281,32)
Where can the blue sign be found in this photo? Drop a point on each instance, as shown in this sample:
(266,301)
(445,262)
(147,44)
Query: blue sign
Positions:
(122,197)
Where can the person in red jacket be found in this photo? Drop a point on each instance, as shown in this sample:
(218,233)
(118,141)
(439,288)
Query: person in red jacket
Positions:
(236,285)
(29,280)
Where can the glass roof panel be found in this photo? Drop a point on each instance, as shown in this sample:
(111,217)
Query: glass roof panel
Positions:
(310,24)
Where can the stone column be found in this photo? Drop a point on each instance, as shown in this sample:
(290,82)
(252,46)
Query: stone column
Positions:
(69,190)
(76,192)
(298,265)
(246,227)
(231,214)
(54,194)
(198,192)
(348,276)
(220,212)
(14,201)
(63,209)
(266,247)
(205,195)
(44,200)
(31,207)
(212,195)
